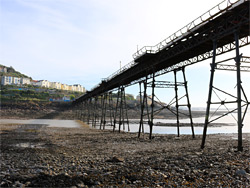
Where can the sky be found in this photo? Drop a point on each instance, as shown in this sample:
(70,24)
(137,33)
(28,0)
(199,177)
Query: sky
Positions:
(84,41)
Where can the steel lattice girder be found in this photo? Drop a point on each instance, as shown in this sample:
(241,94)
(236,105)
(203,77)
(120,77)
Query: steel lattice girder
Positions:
(197,48)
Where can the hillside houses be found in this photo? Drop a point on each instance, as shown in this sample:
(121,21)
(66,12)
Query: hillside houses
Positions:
(9,80)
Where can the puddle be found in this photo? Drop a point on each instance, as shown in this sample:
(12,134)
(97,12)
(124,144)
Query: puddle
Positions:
(40,123)
(30,145)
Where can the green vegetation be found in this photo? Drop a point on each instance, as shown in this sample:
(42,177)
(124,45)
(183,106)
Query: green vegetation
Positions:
(11,93)
(12,72)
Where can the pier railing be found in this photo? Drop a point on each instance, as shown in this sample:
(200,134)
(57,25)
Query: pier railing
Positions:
(189,28)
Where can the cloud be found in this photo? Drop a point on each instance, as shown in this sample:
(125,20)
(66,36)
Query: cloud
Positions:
(84,40)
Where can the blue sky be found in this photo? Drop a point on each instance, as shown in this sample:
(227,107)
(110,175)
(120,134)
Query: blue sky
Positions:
(83,41)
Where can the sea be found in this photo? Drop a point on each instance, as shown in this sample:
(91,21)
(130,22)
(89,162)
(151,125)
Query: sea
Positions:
(229,125)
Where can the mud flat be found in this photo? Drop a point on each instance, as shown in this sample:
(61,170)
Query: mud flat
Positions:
(41,156)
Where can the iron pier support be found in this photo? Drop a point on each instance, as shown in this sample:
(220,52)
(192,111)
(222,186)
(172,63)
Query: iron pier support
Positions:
(121,110)
(151,121)
(209,95)
(177,105)
(237,59)
(188,102)
(238,100)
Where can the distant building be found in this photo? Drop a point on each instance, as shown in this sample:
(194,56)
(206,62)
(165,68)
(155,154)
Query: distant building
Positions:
(79,88)
(3,69)
(70,88)
(64,87)
(7,80)
(25,81)
(16,81)
(55,85)
(41,83)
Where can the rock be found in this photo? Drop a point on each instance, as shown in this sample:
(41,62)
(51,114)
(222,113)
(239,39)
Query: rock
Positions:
(189,178)
(97,183)
(115,160)
(27,184)
(240,172)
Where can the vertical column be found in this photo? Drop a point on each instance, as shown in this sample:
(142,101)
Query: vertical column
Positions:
(177,104)
(94,113)
(152,108)
(143,100)
(116,107)
(142,108)
(121,110)
(237,59)
(89,109)
(126,110)
(209,95)
(77,111)
(101,106)
(188,101)
(82,112)
(111,108)
(105,110)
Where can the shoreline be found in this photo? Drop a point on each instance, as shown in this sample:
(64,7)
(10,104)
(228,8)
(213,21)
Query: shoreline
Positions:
(35,156)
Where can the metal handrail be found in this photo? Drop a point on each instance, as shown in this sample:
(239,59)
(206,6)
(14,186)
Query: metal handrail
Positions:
(204,18)
(121,70)
(181,33)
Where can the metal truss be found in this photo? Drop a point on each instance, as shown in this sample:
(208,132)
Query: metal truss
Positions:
(165,84)
(195,42)
(229,67)
(219,51)
(121,112)
(242,102)
(172,106)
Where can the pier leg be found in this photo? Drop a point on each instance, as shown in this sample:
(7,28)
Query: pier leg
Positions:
(121,118)
(116,107)
(152,108)
(237,59)
(188,102)
(89,109)
(126,110)
(142,108)
(111,108)
(102,110)
(177,104)
(209,95)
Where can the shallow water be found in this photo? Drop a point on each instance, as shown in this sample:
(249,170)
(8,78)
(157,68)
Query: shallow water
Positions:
(232,128)
(230,120)
(48,122)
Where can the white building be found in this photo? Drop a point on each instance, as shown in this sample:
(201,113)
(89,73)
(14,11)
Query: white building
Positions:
(25,81)
(41,83)
(64,87)
(78,88)
(7,80)
(16,81)
(55,85)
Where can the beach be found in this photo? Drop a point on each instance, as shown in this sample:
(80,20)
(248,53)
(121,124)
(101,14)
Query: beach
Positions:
(40,156)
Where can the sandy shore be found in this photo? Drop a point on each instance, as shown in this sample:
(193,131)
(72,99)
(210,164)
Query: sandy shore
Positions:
(37,156)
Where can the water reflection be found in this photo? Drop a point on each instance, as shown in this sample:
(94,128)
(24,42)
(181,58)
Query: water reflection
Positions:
(49,122)
(134,127)
(231,126)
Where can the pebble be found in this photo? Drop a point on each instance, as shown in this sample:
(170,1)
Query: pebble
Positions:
(241,172)
(99,158)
